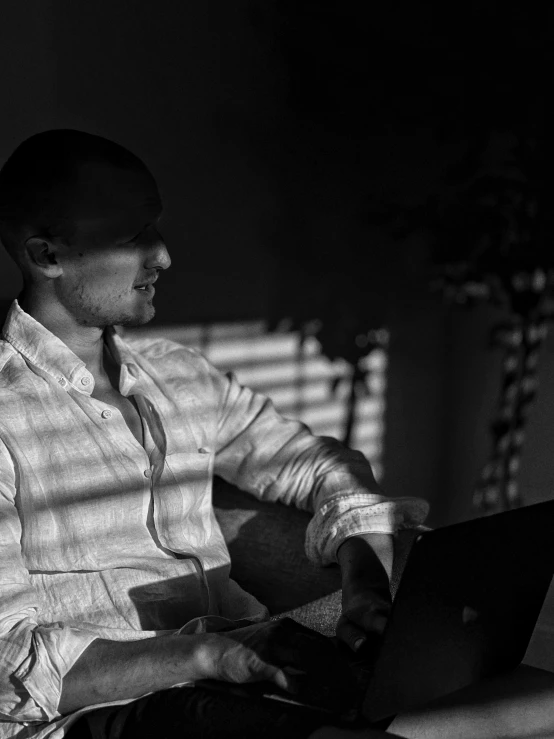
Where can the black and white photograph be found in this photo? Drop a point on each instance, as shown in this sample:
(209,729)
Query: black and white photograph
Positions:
(276,369)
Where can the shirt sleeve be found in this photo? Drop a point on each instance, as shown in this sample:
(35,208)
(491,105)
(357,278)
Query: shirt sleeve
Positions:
(278,459)
(34,656)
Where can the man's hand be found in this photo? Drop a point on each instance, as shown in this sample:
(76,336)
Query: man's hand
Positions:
(282,652)
(277,651)
(249,654)
(366,564)
(364,615)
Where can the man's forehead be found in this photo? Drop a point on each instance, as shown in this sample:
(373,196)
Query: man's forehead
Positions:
(102,188)
(116,220)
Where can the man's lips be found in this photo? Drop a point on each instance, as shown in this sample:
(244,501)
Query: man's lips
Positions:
(146,289)
(146,286)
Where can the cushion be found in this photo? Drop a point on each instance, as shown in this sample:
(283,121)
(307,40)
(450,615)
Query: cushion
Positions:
(266,544)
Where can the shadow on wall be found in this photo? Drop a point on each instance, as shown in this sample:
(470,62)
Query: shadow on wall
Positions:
(302,383)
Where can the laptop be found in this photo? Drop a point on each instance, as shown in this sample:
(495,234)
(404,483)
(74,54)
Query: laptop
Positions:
(465,609)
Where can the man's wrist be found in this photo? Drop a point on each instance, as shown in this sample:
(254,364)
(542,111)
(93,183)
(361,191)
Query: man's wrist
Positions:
(366,557)
(207,650)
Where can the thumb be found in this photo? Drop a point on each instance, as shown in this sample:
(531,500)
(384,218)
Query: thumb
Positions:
(350,634)
(281,679)
(264,671)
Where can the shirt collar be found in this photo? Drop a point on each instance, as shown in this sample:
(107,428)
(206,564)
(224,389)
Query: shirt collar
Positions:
(49,355)
(121,353)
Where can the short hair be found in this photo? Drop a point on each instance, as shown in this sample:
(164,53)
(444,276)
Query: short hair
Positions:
(42,171)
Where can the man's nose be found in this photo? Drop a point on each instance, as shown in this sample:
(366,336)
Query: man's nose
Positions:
(158,256)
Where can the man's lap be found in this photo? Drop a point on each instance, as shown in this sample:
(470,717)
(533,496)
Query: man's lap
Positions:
(192,713)
(518,704)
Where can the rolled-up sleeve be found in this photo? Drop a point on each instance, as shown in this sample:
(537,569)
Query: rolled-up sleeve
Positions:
(278,459)
(34,657)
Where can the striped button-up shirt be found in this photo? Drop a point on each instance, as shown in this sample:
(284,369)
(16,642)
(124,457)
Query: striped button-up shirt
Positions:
(101,536)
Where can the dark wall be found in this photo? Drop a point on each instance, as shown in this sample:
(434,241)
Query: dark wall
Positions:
(254,118)
(259,182)
(183,85)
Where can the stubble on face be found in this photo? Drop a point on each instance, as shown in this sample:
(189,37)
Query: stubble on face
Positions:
(92,306)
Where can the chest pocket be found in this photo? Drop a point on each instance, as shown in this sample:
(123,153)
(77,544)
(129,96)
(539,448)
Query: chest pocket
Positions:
(183,500)
(191,470)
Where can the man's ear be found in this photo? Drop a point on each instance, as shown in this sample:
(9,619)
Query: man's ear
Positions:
(42,254)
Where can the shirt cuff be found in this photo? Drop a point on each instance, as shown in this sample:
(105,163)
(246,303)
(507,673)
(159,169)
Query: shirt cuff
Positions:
(55,649)
(347,515)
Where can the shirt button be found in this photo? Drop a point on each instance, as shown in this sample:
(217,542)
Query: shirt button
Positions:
(148,473)
(106,414)
(62,381)
(85,380)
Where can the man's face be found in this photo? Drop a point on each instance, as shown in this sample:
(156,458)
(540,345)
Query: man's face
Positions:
(115,252)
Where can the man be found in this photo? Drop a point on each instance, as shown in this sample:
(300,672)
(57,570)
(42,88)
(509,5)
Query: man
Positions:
(107,452)
(114,576)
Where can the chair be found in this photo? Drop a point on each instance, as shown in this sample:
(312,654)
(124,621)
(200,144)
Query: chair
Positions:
(266,543)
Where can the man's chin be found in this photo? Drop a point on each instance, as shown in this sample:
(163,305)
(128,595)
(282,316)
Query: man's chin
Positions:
(137,319)
(135,322)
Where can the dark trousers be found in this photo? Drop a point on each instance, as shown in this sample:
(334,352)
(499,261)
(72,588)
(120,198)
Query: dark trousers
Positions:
(195,713)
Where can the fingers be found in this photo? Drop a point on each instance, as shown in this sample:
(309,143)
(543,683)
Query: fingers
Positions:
(277,676)
(284,678)
(282,643)
(289,656)
(286,650)
(352,635)
(314,658)
(368,612)
(276,651)
(241,665)
(361,629)
(369,621)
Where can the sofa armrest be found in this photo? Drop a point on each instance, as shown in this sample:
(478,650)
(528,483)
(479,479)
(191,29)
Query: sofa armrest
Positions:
(266,544)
